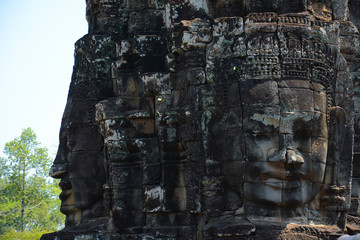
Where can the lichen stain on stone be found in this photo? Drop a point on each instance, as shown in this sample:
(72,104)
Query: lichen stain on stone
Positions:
(85,237)
(171,133)
(205,119)
(155,193)
(272,120)
(222,47)
(200,4)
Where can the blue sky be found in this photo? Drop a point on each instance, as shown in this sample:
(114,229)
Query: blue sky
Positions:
(36,57)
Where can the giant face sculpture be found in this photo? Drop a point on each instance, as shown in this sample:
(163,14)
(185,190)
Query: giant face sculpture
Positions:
(79,164)
(286,145)
(278,86)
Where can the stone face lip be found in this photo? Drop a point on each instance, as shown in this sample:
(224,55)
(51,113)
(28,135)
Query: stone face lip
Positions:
(222,119)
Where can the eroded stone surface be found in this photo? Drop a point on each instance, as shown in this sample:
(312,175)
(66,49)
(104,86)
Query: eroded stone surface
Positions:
(212,119)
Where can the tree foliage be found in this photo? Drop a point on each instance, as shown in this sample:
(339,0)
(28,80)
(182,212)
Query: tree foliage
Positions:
(28,197)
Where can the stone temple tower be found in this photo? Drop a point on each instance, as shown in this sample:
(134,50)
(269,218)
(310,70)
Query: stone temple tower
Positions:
(213,119)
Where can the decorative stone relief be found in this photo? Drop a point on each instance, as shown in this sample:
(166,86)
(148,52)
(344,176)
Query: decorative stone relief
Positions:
(212,120)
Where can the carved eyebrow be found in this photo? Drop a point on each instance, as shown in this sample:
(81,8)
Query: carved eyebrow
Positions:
(307,116)
(267,119)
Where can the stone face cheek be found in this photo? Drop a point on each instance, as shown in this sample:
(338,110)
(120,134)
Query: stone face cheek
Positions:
(212,120)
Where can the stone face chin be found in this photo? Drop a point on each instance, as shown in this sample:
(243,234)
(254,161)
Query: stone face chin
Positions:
(212,119)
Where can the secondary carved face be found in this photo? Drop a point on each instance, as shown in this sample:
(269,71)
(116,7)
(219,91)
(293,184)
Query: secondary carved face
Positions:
(286,144)
(79,163)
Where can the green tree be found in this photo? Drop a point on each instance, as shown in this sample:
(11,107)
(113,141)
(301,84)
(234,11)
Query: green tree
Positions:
(28,197)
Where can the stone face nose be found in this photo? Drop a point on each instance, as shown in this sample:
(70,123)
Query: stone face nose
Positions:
(287,156)
(58,170)
(292,158)
(60,164)
(279,157)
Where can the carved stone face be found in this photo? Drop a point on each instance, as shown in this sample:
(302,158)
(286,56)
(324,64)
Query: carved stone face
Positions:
(286,144)
(79,163)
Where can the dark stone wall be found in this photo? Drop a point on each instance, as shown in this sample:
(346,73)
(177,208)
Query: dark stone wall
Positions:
(212,119)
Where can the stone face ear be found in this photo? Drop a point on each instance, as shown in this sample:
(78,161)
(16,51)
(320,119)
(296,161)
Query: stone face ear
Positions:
(338,115)
(334,193)
(337,126)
